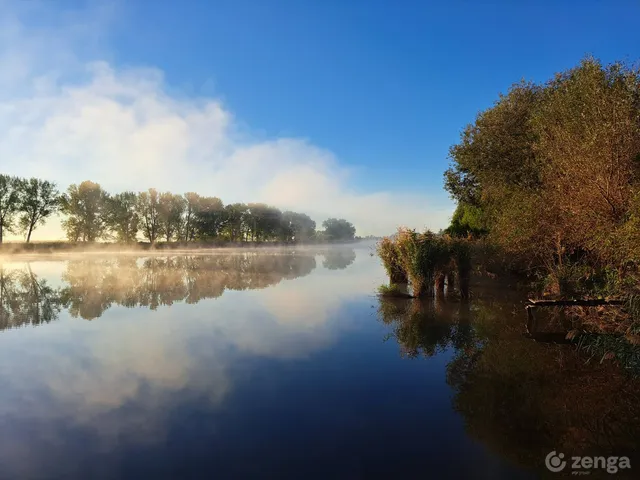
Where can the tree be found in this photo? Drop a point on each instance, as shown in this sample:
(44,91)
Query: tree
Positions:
(297,227)
(170,209)
(338,229)
(10,193)
(209,218)
(192,204)
(85,206)
(148,208)
(122,217)
(39,200)
(264,222)
(552,171)
(235,221)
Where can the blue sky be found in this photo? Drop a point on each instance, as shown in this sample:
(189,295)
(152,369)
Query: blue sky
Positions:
(377,90)
(385,85)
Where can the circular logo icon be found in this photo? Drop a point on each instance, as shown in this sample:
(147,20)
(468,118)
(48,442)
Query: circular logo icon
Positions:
(554,461)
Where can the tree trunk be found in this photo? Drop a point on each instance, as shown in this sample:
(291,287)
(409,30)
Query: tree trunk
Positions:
(29,233)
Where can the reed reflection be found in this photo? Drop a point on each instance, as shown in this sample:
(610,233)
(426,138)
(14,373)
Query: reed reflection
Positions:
(425,327)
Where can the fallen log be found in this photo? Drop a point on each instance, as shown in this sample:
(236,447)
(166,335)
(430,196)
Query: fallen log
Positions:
(596,302)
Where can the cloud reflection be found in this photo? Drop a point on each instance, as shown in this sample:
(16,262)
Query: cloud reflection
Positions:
(169,329)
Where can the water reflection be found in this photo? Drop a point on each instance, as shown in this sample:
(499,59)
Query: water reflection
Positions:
(425,327)
(195,366)
(26,299)
(338,258)
(521,398)
(91,286)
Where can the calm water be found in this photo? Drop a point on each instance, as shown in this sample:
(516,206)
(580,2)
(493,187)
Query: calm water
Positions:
(283,365)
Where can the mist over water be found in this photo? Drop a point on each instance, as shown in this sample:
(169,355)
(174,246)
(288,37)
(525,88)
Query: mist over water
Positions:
(280,363)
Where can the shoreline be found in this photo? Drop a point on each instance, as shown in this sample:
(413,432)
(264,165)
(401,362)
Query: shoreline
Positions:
(44,248)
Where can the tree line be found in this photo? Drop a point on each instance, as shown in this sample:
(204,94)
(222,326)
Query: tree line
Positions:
(551,174)
(92,214)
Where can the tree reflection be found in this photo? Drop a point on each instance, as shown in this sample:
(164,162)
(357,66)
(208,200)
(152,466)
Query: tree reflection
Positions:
(521,398)
(524,399)
(94,285)
(25,299)
(425,327)
(338,258)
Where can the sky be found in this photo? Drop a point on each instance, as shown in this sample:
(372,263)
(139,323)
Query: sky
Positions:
(333,108)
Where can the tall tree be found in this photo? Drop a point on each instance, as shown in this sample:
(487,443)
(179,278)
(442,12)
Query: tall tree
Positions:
(9,202)
(85,207)
(148,207)
(39,200)
(171,208)
(122,217)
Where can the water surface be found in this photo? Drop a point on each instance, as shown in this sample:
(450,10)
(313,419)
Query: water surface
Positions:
(282,364)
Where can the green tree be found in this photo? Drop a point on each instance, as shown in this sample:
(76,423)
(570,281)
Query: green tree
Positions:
(171,209)
(192,205)
(122,217)
(10,193)
(39,200)
(297,227)
(85,206)
(210,218)
(235,221)
(338,229)
(148,208)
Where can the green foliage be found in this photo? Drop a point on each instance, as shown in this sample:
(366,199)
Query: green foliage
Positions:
(39,200)
(209,218)
(467,220)
(92,214)
(148,208)
(10,199)
(171,210)
(85,206)
(337,230)
(122,216)
(393,290)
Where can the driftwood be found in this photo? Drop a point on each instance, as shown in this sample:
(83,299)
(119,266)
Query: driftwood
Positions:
(533,304)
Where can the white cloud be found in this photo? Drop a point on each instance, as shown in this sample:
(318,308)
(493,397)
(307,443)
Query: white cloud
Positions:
(68,116)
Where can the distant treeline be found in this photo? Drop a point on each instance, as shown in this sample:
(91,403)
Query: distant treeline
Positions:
(551,175)
(93,214)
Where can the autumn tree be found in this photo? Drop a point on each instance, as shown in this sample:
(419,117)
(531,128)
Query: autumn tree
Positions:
(552,171)
(85,207)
